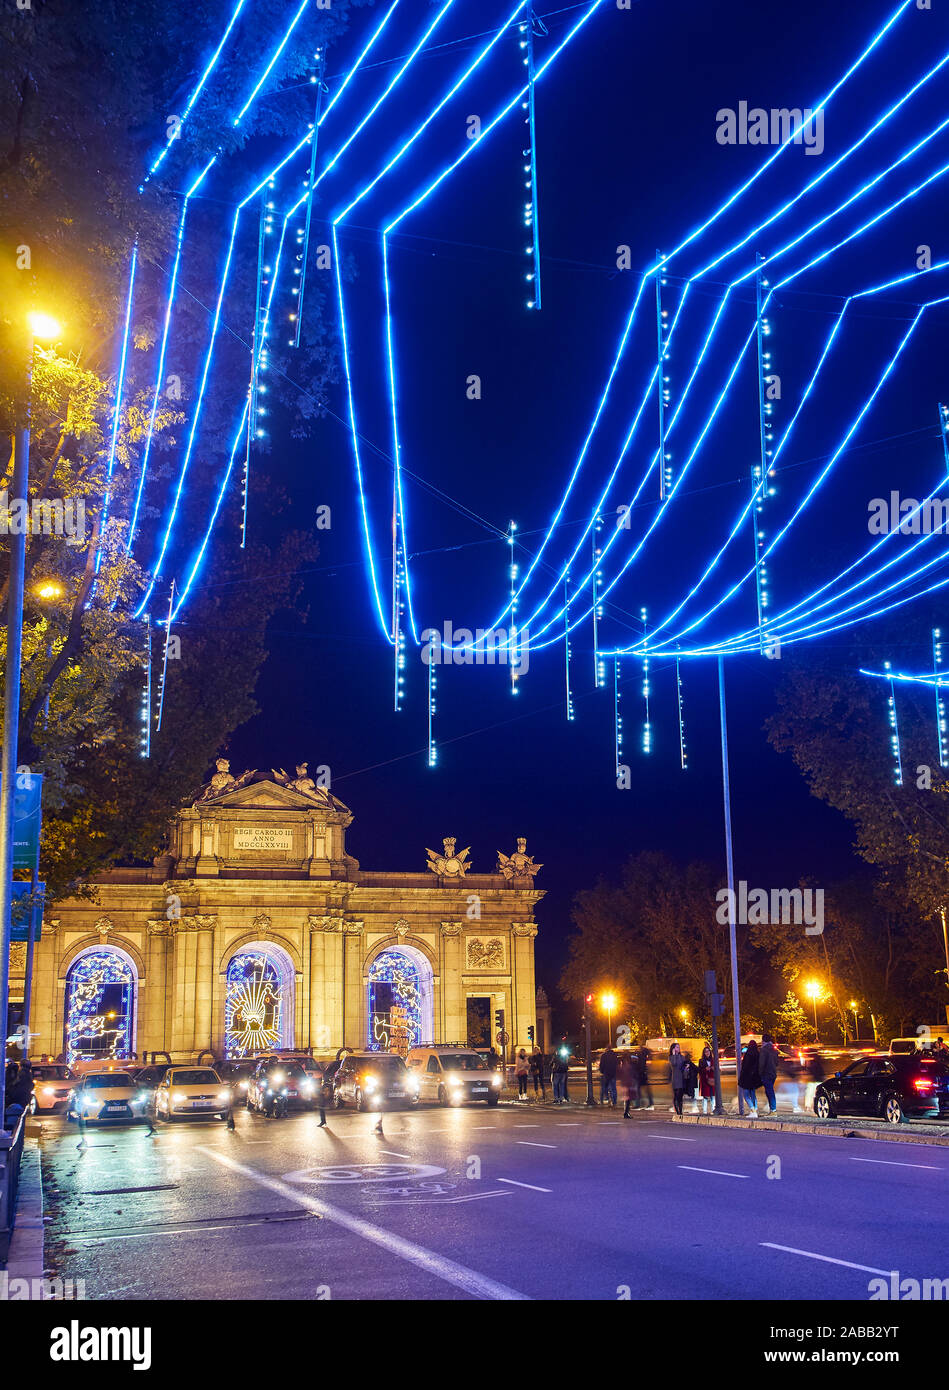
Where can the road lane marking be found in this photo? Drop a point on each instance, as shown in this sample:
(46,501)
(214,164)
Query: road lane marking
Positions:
(525,1184)
(468,1280)
(717,1171)
(520,1126)
(575,1124)
(392,1153)
(827,1259)
(532,1144)
(893,1163)
(674,1138)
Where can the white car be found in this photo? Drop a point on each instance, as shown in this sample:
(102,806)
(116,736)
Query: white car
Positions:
(101,1097)
(191,1091)
(453,1075)
(52,1083)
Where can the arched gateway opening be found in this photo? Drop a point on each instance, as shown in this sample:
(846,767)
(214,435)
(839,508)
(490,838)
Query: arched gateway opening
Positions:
(99,1015)
(258,1006)
(400,1007)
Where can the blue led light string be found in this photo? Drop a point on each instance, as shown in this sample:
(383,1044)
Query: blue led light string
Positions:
(894,733)
(512,604)
(762,470)
(944,433)
(531,28)
(599,669)
(663,380)
(270,66)
(617,721)
(940,703)
(683,754)
(647,727)
(164,660)
(567,649)
(117,409)
(146,713)
(195,94)
(304,253)
(265,224)
(432,746)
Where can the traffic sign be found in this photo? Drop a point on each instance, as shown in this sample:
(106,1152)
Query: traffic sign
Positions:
(502,1038)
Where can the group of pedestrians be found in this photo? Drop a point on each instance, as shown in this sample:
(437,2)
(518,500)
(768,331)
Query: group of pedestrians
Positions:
(759,1068)
(537,1069)
(695,1081)
(630,1072)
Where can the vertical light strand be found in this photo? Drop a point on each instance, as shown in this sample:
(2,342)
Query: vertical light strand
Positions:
(940,703)
(256,358)
(533,26)
(432,749)
(617,720)
(894,732)
(599,665)
(760,473)
(512,577)
(398,631)
(665,470)
(647,727)
(147,692)
(164,663)
(303,253)
(117,410)
(567,651)
(944,432)
(683,753)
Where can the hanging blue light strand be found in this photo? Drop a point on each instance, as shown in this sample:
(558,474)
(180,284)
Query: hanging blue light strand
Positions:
(617,720)
(270,66)
(304,252)
(567,651)
(532,27)
(512,578)
(257,357)
(894,733)
(599,666)
(940,703)
(647,727)
(683,754)
(663,380)
(432,746)
(944,433)
(164,663)
(761,472)
(398,633)
(117,409)
(146,739)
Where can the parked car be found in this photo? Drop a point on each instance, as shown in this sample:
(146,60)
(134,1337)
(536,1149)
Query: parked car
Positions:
(101,1097)
(52,1083)
(301,1086)
(191,1091)
(452,1075)
(370,1079)
(893,1088)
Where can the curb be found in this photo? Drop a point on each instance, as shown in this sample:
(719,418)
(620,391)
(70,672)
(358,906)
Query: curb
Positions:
(25,1258)
(890,1134)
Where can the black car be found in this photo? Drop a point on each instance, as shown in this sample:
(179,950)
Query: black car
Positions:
(237,1075)
(302,1087)
(150,1078)
(890,1088)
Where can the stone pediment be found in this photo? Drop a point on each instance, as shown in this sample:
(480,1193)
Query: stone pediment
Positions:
(266,795)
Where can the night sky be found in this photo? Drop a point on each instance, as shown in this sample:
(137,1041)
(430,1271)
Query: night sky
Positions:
(626,155)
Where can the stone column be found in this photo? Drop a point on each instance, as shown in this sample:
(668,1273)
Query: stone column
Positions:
(204,987)
(452,1012)
(151,1001)
(522,973)
(354,1004)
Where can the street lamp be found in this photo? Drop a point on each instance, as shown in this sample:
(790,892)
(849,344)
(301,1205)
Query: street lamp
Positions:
(856,1027)
(608,1002)
(814,991)
(37,326)
(49,589)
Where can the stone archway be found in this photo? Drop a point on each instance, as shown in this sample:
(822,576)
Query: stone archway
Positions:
(260,982)
(400,999)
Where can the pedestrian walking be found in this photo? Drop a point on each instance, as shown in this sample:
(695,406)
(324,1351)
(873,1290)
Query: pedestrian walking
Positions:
(707,1080)
(521,1071)
(768,1069)
(815,1075)
(749,1078)
(537,1073)
(558,1076)
(642,1065)
(626,1079)
(608,1077)
(677,1076)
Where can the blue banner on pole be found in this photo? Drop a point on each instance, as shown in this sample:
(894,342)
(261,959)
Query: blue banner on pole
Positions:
(20,910)
(27,819)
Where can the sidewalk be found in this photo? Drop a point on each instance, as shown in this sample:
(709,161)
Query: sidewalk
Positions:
(25,1260)
(859,1127)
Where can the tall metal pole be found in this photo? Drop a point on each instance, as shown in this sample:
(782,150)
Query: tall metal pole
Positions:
(11,710)
(730,869)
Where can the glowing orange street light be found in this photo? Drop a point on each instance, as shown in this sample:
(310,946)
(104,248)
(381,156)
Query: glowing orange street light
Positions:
(44,326)
(814,991)
(49,589)
(608,1004)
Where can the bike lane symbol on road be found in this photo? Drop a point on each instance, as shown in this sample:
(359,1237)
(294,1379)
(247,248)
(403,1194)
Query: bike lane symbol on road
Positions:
(363,1172)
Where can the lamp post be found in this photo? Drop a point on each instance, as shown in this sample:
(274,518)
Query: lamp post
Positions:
(856,1026)
(38,326)
(608,1002)
(813,991)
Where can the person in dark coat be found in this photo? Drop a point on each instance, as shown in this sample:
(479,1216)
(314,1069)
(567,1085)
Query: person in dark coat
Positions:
(707,1079)
(749,1078)
(677,1076)
(768,1069)
(608,1077)
(20,1093)
(537,1073)
(558,1075)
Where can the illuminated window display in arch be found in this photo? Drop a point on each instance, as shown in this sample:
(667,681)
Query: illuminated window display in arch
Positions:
(99,1016)
(400,1006)
(258,1006)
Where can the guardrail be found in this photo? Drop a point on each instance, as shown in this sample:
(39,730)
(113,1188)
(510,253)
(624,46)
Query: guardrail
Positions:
(11,1151)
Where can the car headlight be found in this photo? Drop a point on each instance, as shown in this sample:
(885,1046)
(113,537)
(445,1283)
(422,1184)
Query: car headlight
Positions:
(89,1103)
(278,1078)
(48,1091)
(223,1095)
(495,1080)
(370,1083)
(242,1085)
(179,1097)
(143,1097)
(307,1088)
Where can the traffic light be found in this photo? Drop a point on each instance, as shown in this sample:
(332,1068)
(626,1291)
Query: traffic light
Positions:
(530,1032)
(499,1020)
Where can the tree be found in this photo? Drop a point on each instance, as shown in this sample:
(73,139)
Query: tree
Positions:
(790,1020)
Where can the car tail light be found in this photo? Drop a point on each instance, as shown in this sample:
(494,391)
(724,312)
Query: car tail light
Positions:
(923,1083)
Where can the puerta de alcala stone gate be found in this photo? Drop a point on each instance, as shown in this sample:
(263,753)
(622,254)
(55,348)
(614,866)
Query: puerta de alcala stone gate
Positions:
(257,930)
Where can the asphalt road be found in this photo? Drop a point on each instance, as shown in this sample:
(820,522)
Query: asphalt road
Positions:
(530,1202)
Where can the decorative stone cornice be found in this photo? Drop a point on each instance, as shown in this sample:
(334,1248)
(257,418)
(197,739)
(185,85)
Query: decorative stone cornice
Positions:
(524,928)
(326,921)
(158,926)
(451,928)
(194,921)
(261,922)
(353,928)
(104,925)
(402,927)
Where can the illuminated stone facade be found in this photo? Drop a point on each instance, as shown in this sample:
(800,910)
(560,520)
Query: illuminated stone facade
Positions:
(258,898)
